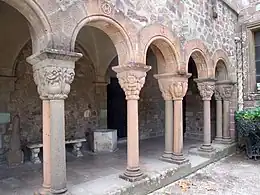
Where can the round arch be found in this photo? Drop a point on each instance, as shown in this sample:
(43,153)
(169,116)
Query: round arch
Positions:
(39,26)
(164,44)
(200,54)
(115,32)
(221,60)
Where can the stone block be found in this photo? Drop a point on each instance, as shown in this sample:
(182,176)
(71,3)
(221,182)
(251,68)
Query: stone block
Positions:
(105,140)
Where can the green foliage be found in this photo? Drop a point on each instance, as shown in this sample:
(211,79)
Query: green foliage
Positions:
(250,115)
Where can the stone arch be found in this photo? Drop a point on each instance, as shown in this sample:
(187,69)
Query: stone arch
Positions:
(221,64)
(164,44)
(200,54)
(40,29)
(113,29)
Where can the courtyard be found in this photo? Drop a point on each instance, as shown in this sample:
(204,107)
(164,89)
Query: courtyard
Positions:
(234,175)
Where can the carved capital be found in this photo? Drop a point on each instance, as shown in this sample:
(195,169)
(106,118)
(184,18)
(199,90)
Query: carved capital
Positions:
(226,89)
(53,72)
(173,86)
(217,95)
(131,78)
(206,87)
(179,89)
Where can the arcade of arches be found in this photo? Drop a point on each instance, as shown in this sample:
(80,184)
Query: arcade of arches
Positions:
(166,90)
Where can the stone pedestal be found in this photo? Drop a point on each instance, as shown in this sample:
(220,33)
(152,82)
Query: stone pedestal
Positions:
(105,140)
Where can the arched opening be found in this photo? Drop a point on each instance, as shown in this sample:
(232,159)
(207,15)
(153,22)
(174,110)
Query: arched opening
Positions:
(103,104)
(192,102)
(18,91)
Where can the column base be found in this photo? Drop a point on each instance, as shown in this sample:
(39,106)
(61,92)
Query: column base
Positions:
(227,140)
(133,174)
(218,140)
(43,191)
(166,156)
(179,159)
(206,148)
(46,192)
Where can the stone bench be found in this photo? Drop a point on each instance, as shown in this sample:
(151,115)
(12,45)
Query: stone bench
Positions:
(35,149)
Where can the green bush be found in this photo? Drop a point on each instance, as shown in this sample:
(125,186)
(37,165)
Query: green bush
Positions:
(250,115)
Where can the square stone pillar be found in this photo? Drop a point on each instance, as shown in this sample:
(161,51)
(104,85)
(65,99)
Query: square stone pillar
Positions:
(53,72)
(206,88)
(101,100)
(132,78)
(7,85)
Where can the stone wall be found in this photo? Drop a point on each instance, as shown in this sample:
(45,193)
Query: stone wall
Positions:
(249,20)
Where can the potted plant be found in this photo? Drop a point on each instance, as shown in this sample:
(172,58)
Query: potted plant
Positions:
(248,128)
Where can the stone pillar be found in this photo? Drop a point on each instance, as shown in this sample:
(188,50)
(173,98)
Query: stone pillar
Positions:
(178,90)
(164,81)
(206,88)
(219,110)
(101,99)
(132,78)
(53,72)
(226,90)
(46,186)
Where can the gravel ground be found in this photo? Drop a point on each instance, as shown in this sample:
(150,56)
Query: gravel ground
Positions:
(234,175)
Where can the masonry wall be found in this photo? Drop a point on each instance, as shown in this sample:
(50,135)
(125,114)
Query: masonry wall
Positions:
(249,21)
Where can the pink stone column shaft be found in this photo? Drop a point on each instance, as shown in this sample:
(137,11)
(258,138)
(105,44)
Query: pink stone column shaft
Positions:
(207,124)
(178,133)
(46,146)
(58,153)
(226,130)
(168,129)
(219,120)
(132,135)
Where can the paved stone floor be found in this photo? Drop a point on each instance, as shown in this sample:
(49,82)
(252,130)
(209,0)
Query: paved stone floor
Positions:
(234,175)
(92,174)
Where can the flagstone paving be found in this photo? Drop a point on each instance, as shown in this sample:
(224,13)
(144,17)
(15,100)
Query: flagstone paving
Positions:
(234,175)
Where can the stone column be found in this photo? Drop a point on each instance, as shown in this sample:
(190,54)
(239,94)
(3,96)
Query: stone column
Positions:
(164,85)
(53,73)
(46,186)
(132,78)
(206,88)
(226,90)
(219,110)
(178,90)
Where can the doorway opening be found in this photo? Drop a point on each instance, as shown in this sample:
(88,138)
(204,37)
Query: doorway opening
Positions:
(116,108)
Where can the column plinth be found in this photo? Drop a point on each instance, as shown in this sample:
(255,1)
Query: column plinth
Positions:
(131,78)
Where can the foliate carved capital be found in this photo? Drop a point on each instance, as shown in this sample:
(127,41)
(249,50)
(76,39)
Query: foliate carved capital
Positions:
(217,95)
(226,89)
(173,86)
(179,89)
(131,78)
(53,72)
(206,88)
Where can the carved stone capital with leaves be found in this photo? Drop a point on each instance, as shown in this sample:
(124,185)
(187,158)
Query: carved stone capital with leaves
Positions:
(53,72)
(226,89)
(178,89)
(131,78)
(173,85)
(206,88)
